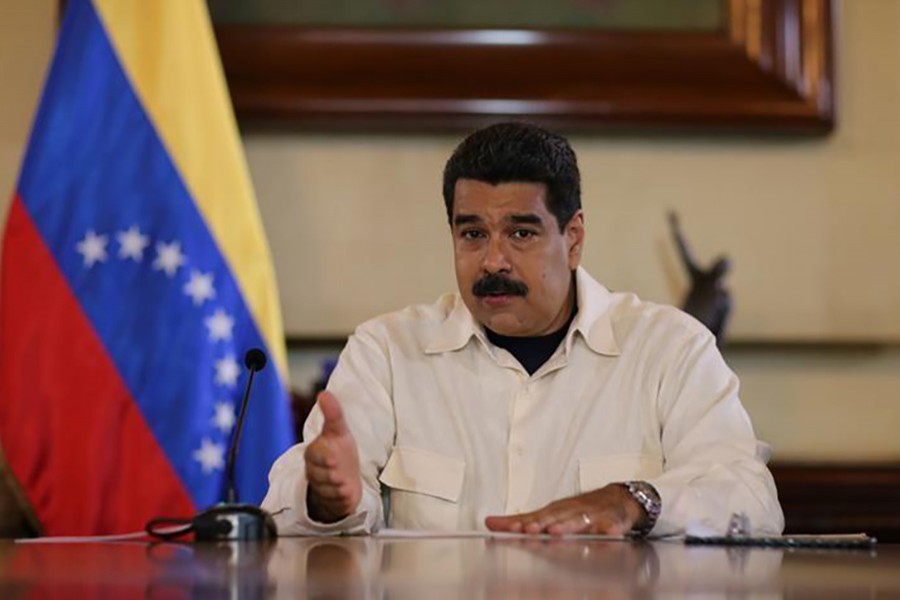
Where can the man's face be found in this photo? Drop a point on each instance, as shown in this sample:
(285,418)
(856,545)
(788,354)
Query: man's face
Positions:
(513,266)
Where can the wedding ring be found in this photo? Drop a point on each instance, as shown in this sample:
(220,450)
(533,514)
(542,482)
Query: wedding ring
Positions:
(586,519)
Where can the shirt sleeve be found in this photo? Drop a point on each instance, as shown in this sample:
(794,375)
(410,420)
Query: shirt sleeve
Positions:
(714,466)
(362,384)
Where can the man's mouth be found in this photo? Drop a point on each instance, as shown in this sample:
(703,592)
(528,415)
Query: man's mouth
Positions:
(497,300)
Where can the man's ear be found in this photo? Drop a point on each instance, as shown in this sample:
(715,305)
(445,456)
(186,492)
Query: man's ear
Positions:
(574,233)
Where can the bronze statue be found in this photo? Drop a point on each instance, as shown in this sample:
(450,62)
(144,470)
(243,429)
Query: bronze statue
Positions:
(708,300)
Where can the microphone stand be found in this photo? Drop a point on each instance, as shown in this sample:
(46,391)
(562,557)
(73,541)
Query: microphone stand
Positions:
(253,364)
(232,520)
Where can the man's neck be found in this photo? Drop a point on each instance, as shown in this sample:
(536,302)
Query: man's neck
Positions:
(532,351)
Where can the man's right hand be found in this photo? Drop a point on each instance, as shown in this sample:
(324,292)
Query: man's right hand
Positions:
(332,466)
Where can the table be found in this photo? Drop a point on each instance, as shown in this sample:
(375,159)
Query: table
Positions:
(471,568)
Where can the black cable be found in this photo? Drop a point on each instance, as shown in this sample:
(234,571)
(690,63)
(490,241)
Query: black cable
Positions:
(154,528)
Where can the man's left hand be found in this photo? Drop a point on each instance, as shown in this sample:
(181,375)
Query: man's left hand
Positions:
(608,511)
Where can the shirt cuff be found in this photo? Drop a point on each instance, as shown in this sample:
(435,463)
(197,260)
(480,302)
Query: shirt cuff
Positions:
(361,521)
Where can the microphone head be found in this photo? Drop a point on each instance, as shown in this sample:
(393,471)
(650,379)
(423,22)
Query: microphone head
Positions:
(255,359)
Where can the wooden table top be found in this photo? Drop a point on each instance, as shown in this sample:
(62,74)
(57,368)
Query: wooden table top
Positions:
(442,567)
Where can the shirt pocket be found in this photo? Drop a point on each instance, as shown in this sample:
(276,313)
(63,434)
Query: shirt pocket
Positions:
(598,471)
(424,489)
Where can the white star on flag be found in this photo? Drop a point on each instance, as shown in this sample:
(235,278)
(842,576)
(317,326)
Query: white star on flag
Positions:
(168,257)
(93,248)
(132,243)
(200,287)
(219,325)
(210,455)
(224,418)
(227,371)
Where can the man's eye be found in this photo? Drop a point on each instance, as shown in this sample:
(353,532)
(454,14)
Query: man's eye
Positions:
(523,234)
(471,234)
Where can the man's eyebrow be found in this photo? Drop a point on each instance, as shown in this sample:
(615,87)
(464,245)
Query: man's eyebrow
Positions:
(525,219)
(466,220)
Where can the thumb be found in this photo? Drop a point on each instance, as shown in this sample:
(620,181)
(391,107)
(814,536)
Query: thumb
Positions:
(334,416)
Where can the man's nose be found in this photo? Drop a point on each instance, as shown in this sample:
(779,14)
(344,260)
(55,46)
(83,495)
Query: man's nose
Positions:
(495,257)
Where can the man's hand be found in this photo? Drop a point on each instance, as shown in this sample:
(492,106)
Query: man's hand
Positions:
(332,466)
(610,510)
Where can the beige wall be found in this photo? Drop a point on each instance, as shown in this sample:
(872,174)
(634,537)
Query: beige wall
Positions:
(26,30)
(810,224)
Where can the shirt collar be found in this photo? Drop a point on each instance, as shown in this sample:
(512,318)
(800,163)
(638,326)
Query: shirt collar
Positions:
(456,330)
(594,318)
(593,321)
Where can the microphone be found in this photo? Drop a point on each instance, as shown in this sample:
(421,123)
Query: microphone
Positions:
(255,360)
(227,521)
(231,520)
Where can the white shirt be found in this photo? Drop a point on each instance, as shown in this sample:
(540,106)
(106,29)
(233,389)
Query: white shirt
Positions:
(455,429)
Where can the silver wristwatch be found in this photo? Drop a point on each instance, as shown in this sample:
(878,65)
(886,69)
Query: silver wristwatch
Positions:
(647,496)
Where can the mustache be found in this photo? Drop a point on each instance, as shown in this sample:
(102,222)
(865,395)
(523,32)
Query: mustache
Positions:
(496,285)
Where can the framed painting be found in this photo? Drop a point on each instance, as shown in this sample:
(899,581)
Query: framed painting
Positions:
(577,65)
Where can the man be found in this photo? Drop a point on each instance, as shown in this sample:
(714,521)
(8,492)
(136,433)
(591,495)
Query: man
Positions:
(534,400)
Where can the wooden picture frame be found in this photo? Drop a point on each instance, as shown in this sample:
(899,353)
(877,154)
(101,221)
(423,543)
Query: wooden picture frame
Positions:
(771,69)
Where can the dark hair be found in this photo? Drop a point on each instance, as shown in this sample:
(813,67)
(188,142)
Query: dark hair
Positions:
(509,152)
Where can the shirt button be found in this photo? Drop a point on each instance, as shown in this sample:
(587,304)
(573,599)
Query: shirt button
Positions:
(518,450)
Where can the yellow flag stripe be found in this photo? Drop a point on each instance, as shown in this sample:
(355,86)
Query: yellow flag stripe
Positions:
(179,80)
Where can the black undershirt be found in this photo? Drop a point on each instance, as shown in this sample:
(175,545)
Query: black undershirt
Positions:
(531,352)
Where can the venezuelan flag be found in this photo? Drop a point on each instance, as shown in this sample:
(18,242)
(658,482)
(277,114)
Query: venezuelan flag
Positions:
(135,275)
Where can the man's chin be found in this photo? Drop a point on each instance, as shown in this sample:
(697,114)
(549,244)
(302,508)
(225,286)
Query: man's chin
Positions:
(505,324)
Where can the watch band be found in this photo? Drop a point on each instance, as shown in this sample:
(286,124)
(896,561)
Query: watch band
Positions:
(647,496)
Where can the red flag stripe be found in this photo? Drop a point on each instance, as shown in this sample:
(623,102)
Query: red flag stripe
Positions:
(53,366)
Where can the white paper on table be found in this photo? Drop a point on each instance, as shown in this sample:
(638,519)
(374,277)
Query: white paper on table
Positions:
(434,534)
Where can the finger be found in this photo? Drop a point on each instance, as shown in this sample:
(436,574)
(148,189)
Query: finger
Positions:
(539,520)
(496,523)
(564,519)
(324,475)
(530,522)
(331,493)
(599,525)
(508,524)
(571,524)
(616,528)
(539,525)
(319,453)
(333,415)
(532,528)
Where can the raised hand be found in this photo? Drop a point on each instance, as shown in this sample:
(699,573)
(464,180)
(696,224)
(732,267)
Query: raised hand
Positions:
(332,466)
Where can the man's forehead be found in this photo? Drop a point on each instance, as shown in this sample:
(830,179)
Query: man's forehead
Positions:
(513,218)
(499,201)
(466,182)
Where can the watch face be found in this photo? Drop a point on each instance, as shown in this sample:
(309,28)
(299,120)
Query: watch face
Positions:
(649,490)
